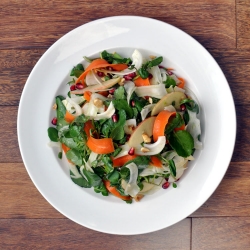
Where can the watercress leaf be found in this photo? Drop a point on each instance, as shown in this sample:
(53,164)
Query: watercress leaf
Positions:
(156,61)
(60,155)
(101,189)
(186,117)
(74,131)
(172,168)
(77,70)
(74,156)
(143,73)
(69,142)
(123,105)
(107,163)
(53,134)
(120,93)
(80,120)
(82,182)
(124,172)
(191,105)
(140,161)
(60,110)
(174,185)
(93,179)
(174,122)
(182,142)
(169,82)
(117,133)
(113,177)
(61,123)
(99,171)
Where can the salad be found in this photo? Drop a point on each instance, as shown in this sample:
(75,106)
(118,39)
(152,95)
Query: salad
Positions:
(127,127)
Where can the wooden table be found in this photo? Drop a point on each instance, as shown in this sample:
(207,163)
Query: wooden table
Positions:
(27,29)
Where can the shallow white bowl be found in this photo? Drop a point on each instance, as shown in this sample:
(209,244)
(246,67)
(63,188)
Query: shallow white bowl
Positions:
(191,61)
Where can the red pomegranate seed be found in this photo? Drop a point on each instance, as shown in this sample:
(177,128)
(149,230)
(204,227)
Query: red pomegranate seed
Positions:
(127,77)
(115,118)
(150,76)
(127,137)
(165,185)
(182,107)
(79,86)
(131,151)
(100,74)
(109,68)
(111,91)
(146,97)
(132,103)
(73,87)
(170,73)
(54,121)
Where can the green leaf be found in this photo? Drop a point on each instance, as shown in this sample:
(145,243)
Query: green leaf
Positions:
(174,122)
(156,61)
(113,177)
(60,110)
(114,58)
(108,165)
(169,82)
(61,123)
(82,182)
(172,167)
(120,93)
(191,105)
(74,156)
(174,185)
(60,155)
(77,70)
(80,120)
(182,142)
(69,142)
(143,73)
(93,179)
(53,134)
(117,133)
(101,189)
(74,131)
(123,105)
(140,161)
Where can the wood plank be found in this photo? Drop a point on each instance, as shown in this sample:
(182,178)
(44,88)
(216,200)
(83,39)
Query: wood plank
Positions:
(243,24)
(19,197)
(20,63)
(215,27)
(221,233)
(65,234)
(232,196)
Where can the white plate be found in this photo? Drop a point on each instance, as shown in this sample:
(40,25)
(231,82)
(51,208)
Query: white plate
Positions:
(191,61)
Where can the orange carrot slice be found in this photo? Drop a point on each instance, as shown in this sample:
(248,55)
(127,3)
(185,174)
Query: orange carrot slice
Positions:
(118,162)
(100,146)
(155,161)
(87,96)
(114,191)
(160,123)
(69,117)
(182,83)
(141,82)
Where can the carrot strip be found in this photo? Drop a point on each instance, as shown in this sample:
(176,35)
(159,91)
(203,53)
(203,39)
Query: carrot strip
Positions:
(114,191)
(141,82)
(118,162)
(182,83)
(100,146)
(87,127)
(69,117)
(182,127)
(100,63)
(160,123)
(65,148)
(87,96)
(155,161)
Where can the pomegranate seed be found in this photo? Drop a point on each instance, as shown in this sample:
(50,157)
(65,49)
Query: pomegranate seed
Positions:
(161,67)
(111,91)
(100,74)
(150,76)
(79,86)
(132,103)
(170,73)
(109,68)
(131,151)
(73,87)
(146,97)
(182,107)
(54,121)
(127,137)
(127,77)
(115,118)
(165,185)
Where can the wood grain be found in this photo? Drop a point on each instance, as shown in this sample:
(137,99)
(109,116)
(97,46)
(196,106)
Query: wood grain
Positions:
(243,24)
(231,198)
(215,27)
(221,233)
(65,234)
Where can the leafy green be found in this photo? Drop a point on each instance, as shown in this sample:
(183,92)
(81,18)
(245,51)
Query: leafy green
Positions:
(93,179)
(77,70)
(172,167)
(174,122)
(140,161)
(174,185)
(191,105)
(60,110)
(82,182)
(120,93)
(53,134)
(182,142)
(74,156)
(123,105)
(113,177)
(108,165)
(69,142)
(169,82)
(101,189)
(114,58)
(143,71)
